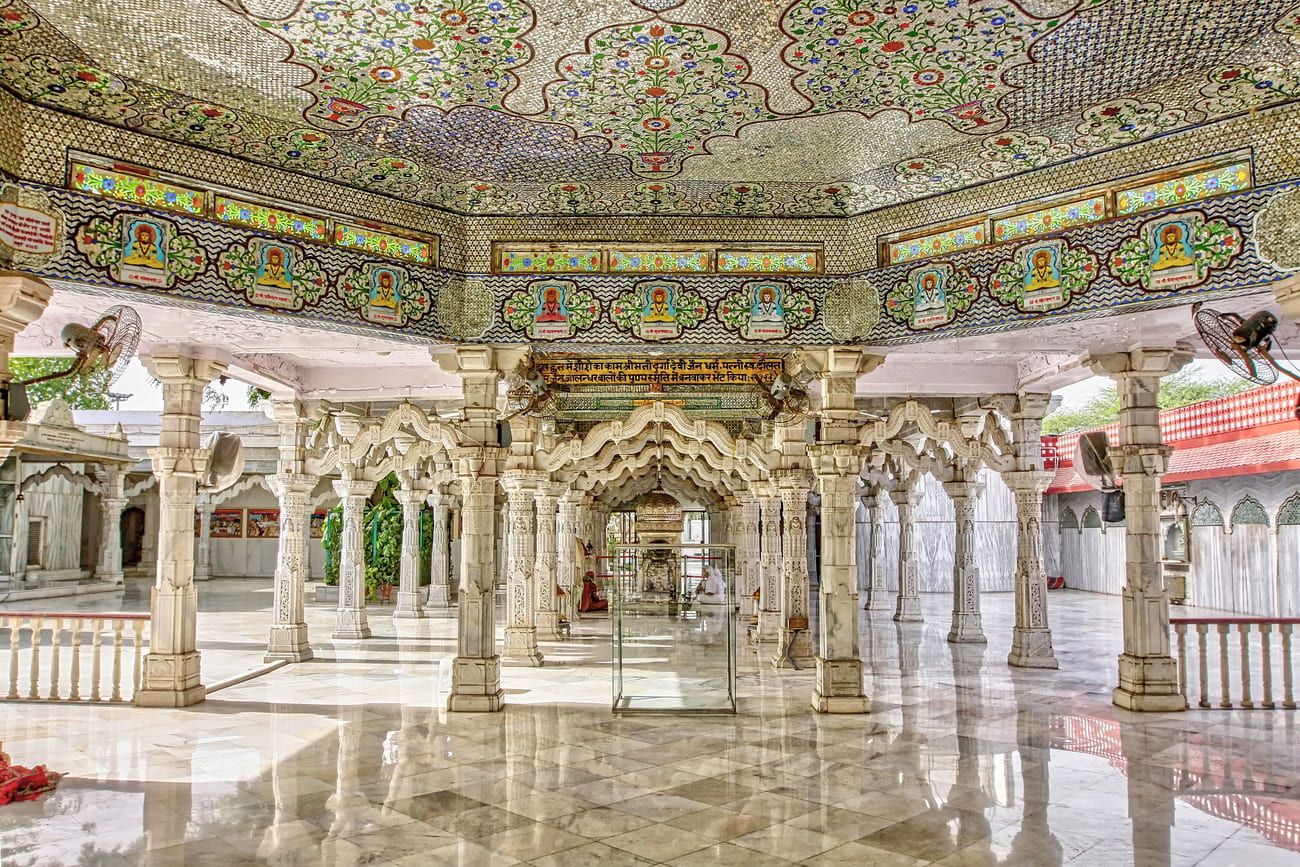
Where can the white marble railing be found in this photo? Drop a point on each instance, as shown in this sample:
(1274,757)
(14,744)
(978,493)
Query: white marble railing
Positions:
(1240,651)
(57,656)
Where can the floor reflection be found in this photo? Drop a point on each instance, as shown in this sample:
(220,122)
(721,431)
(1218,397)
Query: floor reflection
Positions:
(961,762)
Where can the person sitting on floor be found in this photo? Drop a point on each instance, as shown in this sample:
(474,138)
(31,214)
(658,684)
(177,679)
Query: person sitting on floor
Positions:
(591,600)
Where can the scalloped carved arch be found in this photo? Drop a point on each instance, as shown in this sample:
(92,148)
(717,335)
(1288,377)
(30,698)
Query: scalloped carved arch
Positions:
(60,471)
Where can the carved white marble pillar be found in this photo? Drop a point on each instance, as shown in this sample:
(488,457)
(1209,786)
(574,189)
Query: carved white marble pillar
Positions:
(878,588)
(351,621)
(793,598)
(476,673)
(1147,674)
(439,576)
(546,613)
(838,687)
(746,539)
(521,552)
(967,623)
(203,543)
(288,639)
(171,668)
(409,604)
(908,609)
(112,501)
(566,553)
(1031,638)
(769,600)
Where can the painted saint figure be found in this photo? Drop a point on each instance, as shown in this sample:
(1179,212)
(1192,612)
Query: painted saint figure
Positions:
(659,306)
(1043,273)
(931,295)
(551,308)
(144,249)
(383,289)
(1173,251)
(767,305)
(275,268)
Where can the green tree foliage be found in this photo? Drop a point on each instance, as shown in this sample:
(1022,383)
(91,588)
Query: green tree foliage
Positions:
(80,392)
(1181,389)
(381,533)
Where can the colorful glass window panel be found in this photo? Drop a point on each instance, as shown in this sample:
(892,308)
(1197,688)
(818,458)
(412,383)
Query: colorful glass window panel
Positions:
(1047,220)
(769,261)
(936,244)
(1183,189)
(269,219)
(136,189)
(658,261)
(384,243)
(518,260)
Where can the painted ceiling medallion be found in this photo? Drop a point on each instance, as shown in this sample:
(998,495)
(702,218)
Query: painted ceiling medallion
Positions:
(381,59)
(658,5)
(934,59)
(656,91)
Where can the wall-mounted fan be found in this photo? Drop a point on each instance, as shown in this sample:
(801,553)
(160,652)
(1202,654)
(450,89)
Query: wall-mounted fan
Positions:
(787,397)
(1245,346)
(1093,464)
(105,349)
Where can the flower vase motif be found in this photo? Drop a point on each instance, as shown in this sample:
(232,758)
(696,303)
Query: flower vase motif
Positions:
(382,59)
(933,59)
(1176,251)
(656,91)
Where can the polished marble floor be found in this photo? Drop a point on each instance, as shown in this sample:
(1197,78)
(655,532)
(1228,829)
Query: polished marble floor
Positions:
(350,759)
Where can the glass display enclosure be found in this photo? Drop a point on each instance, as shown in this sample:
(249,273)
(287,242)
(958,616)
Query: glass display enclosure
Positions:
(674,617)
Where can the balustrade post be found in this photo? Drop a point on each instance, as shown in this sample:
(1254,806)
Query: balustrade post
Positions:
(1180,629)
(1243,635)
(1266,664)
(96,648)
(15,637)
(1225,699)
(1202,651)
(1288,696)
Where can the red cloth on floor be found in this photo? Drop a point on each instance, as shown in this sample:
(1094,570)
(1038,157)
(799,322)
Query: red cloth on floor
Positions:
(24,784)
(591,600)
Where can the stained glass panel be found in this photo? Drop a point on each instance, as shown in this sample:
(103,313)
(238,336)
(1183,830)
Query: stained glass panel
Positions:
(623,261)
(269,219)
(135,189)
(525,260)
(1053,219)
(384,243)
(936,243)
(1192,187)
(759,261)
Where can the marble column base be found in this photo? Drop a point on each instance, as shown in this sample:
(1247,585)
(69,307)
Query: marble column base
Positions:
(879,602)
(838,688)
(1148,684)
(351,625)
(769,627)
(802,650)
(409,606)
(548,625)
(521,646)
(288,642)
(439,596)
(908,610)
(476,685)
(967,629)
(1031,648)
(171,680)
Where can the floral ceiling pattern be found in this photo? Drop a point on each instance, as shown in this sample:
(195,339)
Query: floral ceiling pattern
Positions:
(505,106)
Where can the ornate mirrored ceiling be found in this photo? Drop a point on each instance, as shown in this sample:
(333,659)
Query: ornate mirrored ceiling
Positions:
(813,107)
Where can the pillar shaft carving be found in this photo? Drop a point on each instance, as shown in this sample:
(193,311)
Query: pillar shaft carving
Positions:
(204,506)
(476,674)
(769,564)
(546,614)
(793,598)
(908,609)
(409,604)
(171,669)
(967,623)
(439,571)
(747,555)
(521,551)
(112,502)
(1031,637)
(567,530)
(288,638)
(877,587)
(351,620)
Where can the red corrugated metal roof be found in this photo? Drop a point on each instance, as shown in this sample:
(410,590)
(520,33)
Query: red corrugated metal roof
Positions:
(1242,434)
